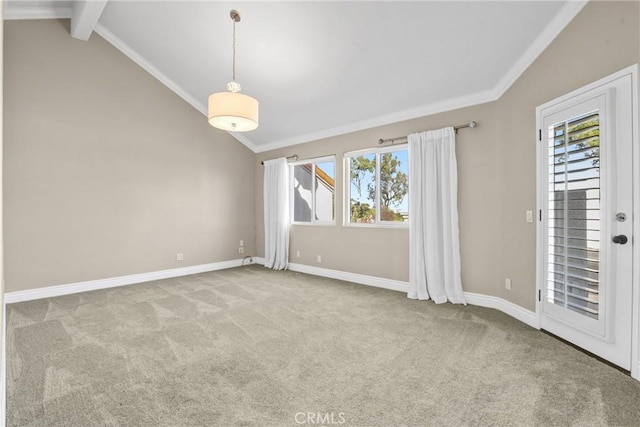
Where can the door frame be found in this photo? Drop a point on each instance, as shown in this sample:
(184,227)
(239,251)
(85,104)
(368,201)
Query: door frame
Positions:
(635,287)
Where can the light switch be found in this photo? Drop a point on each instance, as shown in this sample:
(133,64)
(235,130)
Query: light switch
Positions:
(529,216)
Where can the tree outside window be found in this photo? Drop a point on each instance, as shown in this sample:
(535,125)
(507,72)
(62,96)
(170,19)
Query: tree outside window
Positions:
(379,179)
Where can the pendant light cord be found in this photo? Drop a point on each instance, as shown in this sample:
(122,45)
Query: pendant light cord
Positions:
(234,86)
(234,50)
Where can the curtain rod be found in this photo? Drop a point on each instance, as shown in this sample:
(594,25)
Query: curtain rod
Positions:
(292,157)
(403,139)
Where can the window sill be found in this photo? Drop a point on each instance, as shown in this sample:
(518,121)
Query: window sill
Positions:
(314,224)
(399,226)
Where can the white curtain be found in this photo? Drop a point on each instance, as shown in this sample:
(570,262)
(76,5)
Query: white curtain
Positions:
(276,214)
(434,248)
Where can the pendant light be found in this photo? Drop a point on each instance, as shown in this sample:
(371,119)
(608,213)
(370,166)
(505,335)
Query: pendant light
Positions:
(233,111)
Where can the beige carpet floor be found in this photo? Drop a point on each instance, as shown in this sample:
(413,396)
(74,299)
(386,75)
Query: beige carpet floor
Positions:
(254,347)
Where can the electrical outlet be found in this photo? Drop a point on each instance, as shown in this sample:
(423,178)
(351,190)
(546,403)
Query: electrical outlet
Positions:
(179,257)
(297,254)
(319,258)
(529,216)
(241,250)
(241,242)
(507,284)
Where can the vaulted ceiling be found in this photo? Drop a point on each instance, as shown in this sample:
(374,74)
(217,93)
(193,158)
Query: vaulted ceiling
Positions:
(324,68)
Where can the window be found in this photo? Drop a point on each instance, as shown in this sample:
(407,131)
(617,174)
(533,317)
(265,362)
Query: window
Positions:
(574,214)
(378,178)
(314,188)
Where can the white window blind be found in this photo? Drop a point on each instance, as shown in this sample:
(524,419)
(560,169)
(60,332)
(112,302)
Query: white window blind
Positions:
(574,214)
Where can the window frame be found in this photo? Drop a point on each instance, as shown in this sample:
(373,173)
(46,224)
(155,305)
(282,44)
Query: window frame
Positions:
(314,161)
(346,166)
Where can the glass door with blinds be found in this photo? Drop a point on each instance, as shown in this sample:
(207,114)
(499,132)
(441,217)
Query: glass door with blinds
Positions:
(585,196)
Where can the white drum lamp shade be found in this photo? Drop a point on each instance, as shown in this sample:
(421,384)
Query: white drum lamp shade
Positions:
(233,111)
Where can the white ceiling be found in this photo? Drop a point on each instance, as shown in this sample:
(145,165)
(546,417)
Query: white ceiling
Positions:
(326,68)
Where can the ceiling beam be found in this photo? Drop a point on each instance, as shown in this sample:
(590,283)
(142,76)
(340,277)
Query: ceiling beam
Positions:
(84,17)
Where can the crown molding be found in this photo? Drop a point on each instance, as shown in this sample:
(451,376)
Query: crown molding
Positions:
(551,31)
(148,67)
(163,78)
(422,111)
(16,12)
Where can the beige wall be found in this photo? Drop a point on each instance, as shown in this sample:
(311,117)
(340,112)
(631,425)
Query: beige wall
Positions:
(108,172)
(2,357)
(602,39)
(384,252)
(497,179)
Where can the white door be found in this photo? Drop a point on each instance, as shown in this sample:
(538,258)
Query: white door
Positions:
(585,196)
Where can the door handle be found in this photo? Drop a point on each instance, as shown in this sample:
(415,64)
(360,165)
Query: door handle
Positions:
(621,239)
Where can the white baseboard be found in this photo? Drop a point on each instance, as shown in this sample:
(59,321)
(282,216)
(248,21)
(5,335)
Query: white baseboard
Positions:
(3,370)
(92,285)
(507,307)
(362,279)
